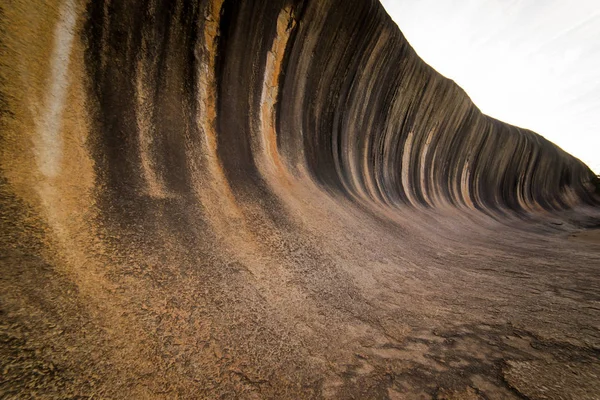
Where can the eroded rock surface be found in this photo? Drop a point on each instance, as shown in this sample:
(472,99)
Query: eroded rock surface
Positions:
(276,199)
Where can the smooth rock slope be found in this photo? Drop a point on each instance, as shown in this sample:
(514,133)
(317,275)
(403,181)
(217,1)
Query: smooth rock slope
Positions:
(276,199)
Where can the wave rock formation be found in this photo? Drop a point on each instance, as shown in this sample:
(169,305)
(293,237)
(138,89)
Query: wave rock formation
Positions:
(276,199)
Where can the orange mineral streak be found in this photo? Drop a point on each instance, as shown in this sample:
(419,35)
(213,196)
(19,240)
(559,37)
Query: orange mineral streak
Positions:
(268,159)
(293,190)
(208,176)
(210,182)
(213,183)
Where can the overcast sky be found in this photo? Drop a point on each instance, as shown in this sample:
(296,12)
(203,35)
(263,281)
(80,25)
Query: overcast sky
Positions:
(531,63)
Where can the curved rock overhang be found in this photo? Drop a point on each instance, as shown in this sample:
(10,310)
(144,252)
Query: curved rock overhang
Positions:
(275,199)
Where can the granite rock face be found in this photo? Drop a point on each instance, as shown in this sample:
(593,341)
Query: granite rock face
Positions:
(276,199)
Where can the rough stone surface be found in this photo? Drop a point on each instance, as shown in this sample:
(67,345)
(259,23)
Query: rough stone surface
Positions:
(276,199)
(543,380)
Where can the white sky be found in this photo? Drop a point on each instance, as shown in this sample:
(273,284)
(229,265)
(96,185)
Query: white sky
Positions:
(531,63)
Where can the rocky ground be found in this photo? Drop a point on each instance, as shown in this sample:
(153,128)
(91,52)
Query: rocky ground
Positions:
(276,199)
(336,304)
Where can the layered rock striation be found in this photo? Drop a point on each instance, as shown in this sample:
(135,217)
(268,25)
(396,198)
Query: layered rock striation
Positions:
(275,199)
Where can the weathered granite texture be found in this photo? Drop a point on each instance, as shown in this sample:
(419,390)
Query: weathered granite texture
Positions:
(276,199)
